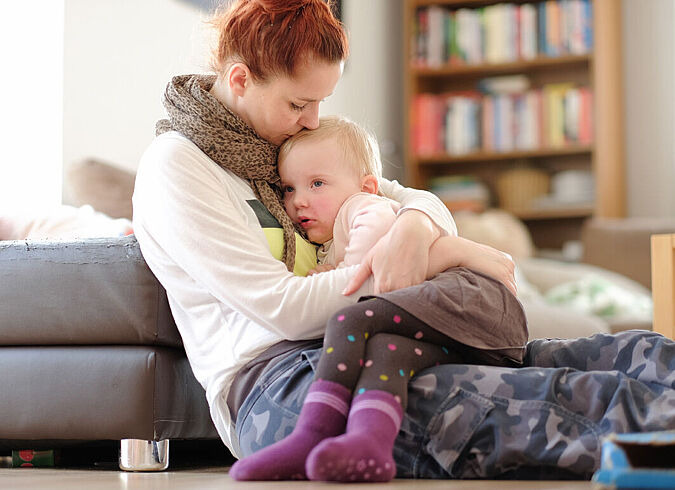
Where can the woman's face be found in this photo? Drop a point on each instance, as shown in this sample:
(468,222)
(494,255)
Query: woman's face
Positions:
(280,107)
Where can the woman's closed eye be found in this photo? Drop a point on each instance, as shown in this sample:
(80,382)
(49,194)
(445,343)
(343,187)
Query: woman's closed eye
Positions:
(297,107)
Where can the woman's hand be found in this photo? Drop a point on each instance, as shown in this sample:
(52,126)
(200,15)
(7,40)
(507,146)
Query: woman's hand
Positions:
(400,258)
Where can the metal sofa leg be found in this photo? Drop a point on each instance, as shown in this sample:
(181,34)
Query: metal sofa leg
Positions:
(140,455)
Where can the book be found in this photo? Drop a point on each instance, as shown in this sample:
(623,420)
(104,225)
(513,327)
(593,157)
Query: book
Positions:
(500,33)
(553,34)
(506,84)
(435,56)
(527,31)
(502,119)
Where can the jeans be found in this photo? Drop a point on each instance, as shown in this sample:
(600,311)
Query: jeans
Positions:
(544,420)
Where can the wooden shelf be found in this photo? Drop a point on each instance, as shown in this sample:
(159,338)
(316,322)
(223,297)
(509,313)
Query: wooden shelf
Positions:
(554,213)
(483,156)
(455,4)
(541,62)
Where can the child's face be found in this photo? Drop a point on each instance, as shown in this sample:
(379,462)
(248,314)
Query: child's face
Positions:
(316,180)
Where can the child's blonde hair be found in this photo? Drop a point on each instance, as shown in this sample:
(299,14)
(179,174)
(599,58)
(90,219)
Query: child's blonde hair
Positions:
(360,146)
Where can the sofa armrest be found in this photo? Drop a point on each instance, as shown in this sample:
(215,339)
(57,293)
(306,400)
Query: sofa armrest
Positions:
(623,244)
(96,291)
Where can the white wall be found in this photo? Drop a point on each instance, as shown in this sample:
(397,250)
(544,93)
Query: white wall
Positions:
(119,56)
(121,53)
(371,89)
(649,68)
(31,126)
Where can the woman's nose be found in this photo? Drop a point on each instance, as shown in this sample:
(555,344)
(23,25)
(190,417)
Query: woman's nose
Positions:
(310,117)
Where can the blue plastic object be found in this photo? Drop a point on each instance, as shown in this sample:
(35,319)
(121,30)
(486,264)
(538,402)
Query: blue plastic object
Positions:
(640,460)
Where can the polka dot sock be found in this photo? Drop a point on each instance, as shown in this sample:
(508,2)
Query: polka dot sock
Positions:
(323,414)
(364,452)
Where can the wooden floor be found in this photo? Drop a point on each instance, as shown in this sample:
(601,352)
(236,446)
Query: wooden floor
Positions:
(203,466)
(217,478)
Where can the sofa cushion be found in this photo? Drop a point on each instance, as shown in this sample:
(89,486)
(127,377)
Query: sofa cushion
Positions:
(99,392)
(536,277)
(86,292)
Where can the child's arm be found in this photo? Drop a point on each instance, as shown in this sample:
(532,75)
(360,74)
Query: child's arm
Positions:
(453,251)
(361,222)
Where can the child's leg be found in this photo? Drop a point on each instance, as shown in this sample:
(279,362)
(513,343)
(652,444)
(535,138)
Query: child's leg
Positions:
(350,332)
(391,360)
(364,453)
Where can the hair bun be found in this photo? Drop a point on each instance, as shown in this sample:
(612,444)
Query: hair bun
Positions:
(282,6)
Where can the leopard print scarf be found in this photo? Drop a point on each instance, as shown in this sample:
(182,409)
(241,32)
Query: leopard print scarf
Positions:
(228,141)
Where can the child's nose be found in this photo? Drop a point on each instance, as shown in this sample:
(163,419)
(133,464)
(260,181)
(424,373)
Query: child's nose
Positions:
(299,200)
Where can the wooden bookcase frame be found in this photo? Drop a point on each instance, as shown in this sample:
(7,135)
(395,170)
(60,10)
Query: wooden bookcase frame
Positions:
(601,70)
(663,284)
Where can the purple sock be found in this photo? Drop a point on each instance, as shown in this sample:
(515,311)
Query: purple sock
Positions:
(323,415)
(364,452)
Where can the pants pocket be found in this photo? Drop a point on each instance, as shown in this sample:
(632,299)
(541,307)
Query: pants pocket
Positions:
(270,412)
(312,356)
(518,435)
(453,426)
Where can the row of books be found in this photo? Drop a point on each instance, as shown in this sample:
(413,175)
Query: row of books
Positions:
(464,122)
(461,192)
(516,190)
(501,33)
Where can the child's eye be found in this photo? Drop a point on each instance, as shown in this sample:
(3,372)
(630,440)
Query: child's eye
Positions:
(287,189)
(297,107)
(317,183)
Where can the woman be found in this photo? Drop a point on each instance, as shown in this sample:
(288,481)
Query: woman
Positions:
(210,223)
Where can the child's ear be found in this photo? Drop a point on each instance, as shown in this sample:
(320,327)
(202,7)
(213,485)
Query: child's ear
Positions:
(369,184)
(238,77)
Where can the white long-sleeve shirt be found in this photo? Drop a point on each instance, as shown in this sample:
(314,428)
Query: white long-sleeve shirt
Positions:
(199,228)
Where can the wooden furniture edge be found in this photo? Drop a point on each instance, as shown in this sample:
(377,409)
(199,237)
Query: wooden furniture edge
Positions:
(663,283)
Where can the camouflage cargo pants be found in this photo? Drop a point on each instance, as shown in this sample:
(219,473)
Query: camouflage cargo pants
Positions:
(545,420)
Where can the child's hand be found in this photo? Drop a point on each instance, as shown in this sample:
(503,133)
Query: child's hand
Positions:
(488,260)
(320,268)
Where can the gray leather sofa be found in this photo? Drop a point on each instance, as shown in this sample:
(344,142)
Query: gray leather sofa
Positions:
(89,351)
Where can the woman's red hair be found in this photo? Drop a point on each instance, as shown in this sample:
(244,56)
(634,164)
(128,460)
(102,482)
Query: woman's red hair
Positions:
(272,36)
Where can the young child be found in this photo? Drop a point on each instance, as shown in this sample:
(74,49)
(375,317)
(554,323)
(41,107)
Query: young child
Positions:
(371,350)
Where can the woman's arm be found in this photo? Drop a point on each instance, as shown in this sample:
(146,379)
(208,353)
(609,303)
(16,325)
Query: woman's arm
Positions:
(200,237)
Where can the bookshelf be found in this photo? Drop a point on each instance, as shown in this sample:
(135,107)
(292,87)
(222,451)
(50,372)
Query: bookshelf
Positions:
(577,71)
